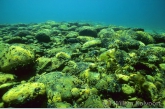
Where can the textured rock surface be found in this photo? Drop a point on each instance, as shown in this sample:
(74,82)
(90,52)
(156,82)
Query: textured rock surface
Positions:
(16,57)
(23,93)
(81,65)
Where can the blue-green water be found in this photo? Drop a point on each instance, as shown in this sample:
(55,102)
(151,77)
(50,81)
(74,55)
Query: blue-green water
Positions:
(148,14)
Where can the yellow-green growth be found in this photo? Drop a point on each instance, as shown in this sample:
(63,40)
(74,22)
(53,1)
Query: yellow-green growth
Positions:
(16,56)
(4,78)
(22,92)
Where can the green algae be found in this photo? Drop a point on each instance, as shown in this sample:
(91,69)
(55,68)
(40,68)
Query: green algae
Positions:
(81,65)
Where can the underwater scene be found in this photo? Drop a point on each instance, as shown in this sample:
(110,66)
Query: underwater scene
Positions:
(82,54)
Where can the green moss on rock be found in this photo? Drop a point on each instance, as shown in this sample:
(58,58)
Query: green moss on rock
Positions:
(14,57)
(23,93)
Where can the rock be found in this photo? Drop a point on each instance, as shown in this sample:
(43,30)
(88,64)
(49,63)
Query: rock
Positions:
(150,90)
(71,40)
(6,82)
(4,78)
(159,38)
(143,37)
(72,34)
(62,55)
(75,92)
(59,87)
(127,44)
(163,103)
(1,105)
(15,40)
(138,29)
(151,54)
(106,33)
(42,64)
(24,93)
(93,101)
(128,90)
(162,66)
(22,33)
(63,105)
(90,77)
(63,26)
(87,31)
(42,37)
(101,85)
(123,78)
(85,38)
(91,43)
(15,58)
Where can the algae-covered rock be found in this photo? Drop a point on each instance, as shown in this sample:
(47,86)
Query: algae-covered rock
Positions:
(152,54)
(42,64)
(63,105)
(127,44)
(128,90)
(71,68)
(122,78)
(62,55)
(90,77)
(87,31)
(150,90)
(63,26)
(7,81)
(23,93)
(144,37)
(1,105)
(16,57)
(102,85)
(85,38)
(75,92)
(91,43)
(59,87)
(162,66)
(107,33)
(107,54)
(72,34)
(93,101)
(109,57)
(49,64)
(4,78)
(42,37)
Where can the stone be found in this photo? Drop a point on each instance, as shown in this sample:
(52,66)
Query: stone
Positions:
(128,90)
(23,93)
(87,31)
(42,37)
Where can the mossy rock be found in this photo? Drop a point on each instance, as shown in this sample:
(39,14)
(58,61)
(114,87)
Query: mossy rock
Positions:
(72,34)
(16,57)
(162,66)
(4,78)
(144,37)
(22,94)
(92,43)
(93,101)
(101,85)
(90,77)
(59,86)
(150,91)
(42,64)
(62,105)
(85,38)
(123,78)
(128,90)
(42,37)
(87,31)
(107,33)
(152,53)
